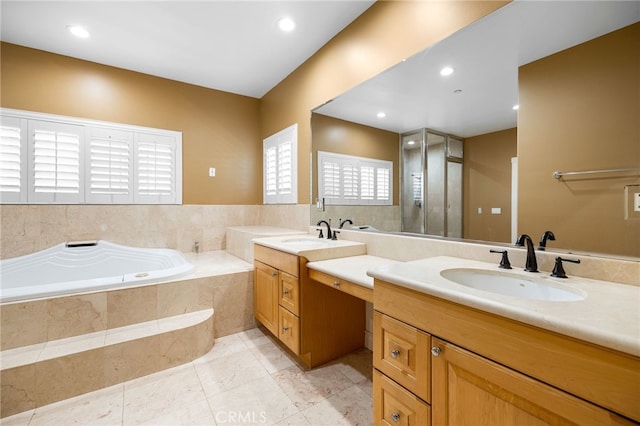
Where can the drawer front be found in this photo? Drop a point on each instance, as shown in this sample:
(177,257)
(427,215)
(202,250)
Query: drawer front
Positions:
(278,259)
(353,289)
(402,352)
(289,290)
(289,330)
(393,405)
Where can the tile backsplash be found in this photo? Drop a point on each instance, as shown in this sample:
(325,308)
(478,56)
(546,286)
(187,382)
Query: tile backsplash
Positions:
(26,229)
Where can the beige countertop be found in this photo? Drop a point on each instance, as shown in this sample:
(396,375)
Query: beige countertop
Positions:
(313,248)
(353,268)
(609,315)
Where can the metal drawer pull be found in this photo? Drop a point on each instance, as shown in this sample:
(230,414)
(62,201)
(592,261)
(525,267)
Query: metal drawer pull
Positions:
(395,417)
(336,284)
(435,351)
(395,353)
(285,329)
(285,292)
(273,274)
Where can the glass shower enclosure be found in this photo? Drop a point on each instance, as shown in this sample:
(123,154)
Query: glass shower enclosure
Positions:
(431,195)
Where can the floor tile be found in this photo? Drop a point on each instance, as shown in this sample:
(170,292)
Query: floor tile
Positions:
(101,407)
(272,357)
(197,413)
(160,394)
(258,402)
(254,337)
(222,374)
(224,346)
(352,406)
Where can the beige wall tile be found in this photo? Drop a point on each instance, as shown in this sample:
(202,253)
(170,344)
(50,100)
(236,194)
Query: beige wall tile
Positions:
(233,303)
(62,378)
(16,330)
(74,315)
(18,390)
(129,360)
(132,305)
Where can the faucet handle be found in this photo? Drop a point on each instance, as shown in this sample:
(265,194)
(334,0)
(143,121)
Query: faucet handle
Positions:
(321,235)
(558,269)
(504,262)
(335,235)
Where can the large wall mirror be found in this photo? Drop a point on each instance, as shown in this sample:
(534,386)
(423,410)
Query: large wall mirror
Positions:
(574,70)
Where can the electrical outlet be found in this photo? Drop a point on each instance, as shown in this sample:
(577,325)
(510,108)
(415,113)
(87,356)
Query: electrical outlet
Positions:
(212,172)
(636,202)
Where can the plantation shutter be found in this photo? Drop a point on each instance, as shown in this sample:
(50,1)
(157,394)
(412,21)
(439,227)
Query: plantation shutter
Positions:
(13,163)
(280,167)
(55,172)
(351,180)
(155,168)
(110,160)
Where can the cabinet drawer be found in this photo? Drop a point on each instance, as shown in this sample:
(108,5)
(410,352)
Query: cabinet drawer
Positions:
(289,330)
(356,290)
(393,405)
(402,352)
(283,261)
(288,287)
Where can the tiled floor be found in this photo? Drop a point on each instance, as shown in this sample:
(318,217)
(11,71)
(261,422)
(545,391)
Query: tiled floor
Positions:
(245,379)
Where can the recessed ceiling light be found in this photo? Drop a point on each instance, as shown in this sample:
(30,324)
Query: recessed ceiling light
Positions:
(78,31)
(446,71)
(286,24)
(516,107)
(382,114)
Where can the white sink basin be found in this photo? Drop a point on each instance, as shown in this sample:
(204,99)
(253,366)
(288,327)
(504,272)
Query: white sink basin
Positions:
(307,242)
(512,285)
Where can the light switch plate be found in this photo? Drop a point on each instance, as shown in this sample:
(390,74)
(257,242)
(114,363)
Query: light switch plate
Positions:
(632,202)
(212,171)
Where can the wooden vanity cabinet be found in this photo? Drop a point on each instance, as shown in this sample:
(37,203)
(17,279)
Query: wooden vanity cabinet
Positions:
(316,322)
(485,369)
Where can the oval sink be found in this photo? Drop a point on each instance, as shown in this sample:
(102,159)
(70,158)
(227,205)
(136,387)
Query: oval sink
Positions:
(512,285)
(307,242)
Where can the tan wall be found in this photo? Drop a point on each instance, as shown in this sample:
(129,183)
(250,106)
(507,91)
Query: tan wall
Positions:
(344,137)
(219,129)
(382,36)
(579,110)
(487,184)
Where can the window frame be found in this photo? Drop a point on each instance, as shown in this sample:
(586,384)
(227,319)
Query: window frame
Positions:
(345,197)
(25,196)
(273,144)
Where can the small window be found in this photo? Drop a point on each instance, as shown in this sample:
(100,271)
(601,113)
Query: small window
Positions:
(350,180)
(280,173)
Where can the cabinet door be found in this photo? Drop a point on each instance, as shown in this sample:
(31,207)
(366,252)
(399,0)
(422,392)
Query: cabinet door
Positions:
(289,293)
(289,330)
(402,352)
(393,405)
(265,296)
(471,390)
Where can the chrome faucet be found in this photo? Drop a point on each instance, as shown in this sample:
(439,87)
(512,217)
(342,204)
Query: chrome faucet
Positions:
(329,233)
(342,222)
(548,235)
(531,264)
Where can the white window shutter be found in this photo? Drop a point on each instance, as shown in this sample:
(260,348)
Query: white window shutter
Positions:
(155,160)
(13,160)
(109,160)
(351,180)
(55,170)
(280,172)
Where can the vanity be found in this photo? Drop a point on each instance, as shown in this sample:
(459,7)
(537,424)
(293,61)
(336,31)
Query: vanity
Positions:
(314,321)
(446,356)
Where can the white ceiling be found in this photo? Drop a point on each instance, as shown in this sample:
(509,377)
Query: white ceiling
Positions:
(486,56)
(234,46)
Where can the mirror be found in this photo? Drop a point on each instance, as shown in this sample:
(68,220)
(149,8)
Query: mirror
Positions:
(492,59)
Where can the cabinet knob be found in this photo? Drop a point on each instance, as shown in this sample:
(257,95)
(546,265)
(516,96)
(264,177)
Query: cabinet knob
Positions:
(336,284)
(285,292)
(435,351)
(285,329)
(395,353)
(395,417)
(273,274)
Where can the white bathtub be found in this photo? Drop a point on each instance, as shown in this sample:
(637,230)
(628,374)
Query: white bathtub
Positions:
(65,270)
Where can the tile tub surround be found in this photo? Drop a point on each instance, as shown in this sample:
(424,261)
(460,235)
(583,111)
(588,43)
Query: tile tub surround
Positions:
(240,238)
(37,375)
(30,228)
(220,281)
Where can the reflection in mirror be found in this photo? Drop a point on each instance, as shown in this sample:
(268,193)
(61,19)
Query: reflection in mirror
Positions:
(509,57)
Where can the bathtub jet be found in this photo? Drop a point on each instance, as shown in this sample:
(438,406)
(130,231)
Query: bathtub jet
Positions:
(83,266)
